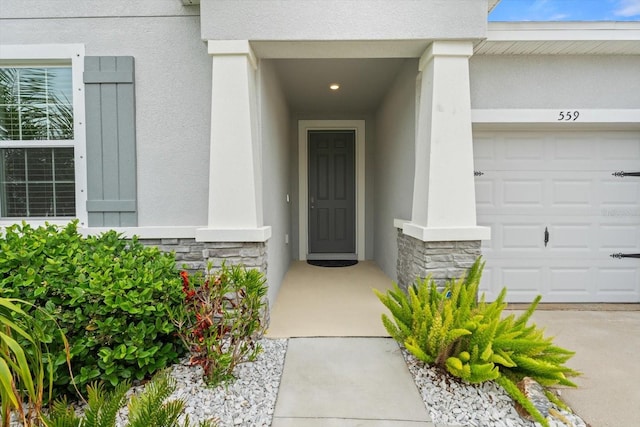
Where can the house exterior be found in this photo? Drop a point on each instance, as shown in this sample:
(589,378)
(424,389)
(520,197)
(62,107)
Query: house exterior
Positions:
(208,127)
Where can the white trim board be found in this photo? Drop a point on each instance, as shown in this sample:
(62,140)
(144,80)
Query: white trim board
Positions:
(303,179)
(559,116)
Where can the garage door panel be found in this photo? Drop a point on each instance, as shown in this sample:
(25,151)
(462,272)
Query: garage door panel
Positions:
(521,282)
(618,237)
(484,149)
(522,237)
(518,193)
(575,237)
(572,192)
(527,149)
(487,279)
(565,281)
(620,149)
(562,183)
(485,196)
(622,280)
(618,193)
(573,149)
(522,279)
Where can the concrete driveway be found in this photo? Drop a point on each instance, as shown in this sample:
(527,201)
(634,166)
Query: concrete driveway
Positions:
(607,346)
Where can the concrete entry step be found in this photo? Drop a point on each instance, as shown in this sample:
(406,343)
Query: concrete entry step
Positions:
(347,382)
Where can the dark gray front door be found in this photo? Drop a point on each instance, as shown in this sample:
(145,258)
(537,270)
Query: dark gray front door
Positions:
(332,191)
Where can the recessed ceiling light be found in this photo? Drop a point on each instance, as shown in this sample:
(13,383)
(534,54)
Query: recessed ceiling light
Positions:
(334,86)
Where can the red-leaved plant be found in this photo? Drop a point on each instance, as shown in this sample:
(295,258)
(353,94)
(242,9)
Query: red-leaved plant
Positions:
(222,319)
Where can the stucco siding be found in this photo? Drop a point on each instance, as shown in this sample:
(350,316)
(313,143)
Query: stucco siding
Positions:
(83,9)
(546,81)
(173,89)
(394,164)
(275,168)
(343,20)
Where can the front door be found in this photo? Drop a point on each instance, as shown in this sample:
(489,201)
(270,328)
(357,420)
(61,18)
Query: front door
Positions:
(332,191)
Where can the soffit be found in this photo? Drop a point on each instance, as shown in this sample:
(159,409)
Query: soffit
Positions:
(363,83)
(561,38)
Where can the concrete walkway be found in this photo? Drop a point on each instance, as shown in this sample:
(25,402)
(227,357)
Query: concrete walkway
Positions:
(347,382)
(365,382)
(607,344)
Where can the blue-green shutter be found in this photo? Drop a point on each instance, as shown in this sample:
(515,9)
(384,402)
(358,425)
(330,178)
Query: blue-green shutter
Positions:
(111,141)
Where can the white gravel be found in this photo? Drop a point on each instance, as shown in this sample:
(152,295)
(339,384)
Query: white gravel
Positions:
(250,400)
(247,401)
(455,403)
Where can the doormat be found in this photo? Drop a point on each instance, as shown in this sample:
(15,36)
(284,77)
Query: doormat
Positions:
(332,262)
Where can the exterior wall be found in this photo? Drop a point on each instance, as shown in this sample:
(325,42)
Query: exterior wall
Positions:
(440,260)
(173,88)
(546,81)
(275,168)
(394,164)
(343,19)
(369,174)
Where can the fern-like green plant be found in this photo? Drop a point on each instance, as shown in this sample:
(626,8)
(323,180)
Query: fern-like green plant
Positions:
(515,393)
(429,322)
(533,355)
(149,409)
(452,330)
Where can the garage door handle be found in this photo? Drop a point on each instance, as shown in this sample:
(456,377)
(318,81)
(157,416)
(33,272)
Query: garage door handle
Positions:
(621,255)
(622,174)
(546,236)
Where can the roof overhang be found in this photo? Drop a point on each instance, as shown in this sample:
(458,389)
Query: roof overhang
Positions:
(561,38)
(492,3)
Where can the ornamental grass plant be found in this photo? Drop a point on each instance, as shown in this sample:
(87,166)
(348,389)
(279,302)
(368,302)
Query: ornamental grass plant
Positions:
(26,370)
(470,339)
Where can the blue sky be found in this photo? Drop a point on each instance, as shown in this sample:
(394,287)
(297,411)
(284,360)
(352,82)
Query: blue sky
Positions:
(566,10)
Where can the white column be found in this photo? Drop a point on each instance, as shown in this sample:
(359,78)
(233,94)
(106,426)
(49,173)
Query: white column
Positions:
(235,176)
(444,206)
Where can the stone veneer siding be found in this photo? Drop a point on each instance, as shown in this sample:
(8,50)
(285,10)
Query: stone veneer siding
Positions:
(441,260)
(195,255)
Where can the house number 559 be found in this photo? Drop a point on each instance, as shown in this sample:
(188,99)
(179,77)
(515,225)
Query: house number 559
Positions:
(568,116)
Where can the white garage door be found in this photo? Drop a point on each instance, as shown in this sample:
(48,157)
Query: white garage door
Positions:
(557,213)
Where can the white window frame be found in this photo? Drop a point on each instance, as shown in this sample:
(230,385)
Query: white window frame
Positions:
(56,54)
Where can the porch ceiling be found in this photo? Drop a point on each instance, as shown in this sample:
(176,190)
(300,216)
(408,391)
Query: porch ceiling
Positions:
(363,83)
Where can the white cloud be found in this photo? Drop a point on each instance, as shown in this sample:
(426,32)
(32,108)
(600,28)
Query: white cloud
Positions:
(628,8)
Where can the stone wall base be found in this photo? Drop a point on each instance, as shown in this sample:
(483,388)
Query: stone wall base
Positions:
(193,256)
(441,260)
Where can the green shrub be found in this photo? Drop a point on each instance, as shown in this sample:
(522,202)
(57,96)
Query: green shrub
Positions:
(470,339)
(222,318)
(110,296)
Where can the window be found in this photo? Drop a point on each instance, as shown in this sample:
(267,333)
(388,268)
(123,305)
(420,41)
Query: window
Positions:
(35,104)
(39,141)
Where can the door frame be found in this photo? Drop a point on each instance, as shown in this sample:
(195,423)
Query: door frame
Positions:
(303,179)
